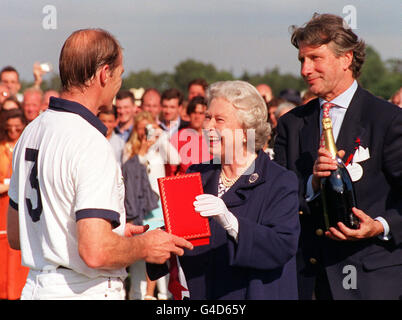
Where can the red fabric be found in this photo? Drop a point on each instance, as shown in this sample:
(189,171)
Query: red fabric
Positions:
(174,286)
(12,274)
(177,196)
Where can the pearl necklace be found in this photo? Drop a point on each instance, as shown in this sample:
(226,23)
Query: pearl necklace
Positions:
(228,182)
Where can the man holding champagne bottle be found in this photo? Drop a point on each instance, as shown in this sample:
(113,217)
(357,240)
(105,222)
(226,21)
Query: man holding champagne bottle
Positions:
(368,134)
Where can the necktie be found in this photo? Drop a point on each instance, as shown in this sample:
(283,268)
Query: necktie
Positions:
(325,114)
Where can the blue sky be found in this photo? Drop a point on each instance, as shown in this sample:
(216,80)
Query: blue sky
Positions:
(235,35)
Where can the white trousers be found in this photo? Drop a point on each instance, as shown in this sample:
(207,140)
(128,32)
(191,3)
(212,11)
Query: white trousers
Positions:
(66,284)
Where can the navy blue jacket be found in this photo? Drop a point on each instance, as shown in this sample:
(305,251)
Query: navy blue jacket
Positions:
(139,198)
(375,124)
(262,264)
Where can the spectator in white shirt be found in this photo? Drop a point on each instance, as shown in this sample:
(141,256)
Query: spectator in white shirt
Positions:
(172,100)
(108,116)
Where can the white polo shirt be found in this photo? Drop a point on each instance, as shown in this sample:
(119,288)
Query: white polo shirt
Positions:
(64,158)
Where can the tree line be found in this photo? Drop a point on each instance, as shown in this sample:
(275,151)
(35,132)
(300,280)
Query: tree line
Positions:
(382,78)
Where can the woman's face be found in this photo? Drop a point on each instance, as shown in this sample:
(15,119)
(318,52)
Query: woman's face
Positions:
(223,130)
(14,127)
(140,128)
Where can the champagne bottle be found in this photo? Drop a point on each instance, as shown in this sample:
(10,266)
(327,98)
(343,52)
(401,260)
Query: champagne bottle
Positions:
(338,195)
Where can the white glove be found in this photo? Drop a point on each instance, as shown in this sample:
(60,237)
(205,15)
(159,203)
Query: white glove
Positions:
(209,205)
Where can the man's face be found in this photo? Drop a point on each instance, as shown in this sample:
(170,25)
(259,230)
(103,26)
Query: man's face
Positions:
(271,116)
(32,105)
(126,109)
(265,92)
(46,98)
(109,121)
(195,90)
(152,103)
(197,117)
(170,109)
(324,72)
(11,81)
(114,83)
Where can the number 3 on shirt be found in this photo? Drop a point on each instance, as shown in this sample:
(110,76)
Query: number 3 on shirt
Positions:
(32,155)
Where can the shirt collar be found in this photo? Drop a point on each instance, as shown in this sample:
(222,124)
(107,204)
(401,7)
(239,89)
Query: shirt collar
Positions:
(59,104)
(343,100)
(118,130)
(173,124)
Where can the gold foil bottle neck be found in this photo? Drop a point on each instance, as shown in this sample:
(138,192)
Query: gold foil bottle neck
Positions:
(326,124)
(329,137)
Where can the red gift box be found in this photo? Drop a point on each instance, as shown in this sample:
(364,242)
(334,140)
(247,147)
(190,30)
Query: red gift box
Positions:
(177,196)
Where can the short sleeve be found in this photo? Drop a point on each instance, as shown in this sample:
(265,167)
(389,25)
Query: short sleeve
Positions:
(99,184)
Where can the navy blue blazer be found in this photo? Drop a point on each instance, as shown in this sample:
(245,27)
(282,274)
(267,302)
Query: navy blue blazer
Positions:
(262,264)
(375,124)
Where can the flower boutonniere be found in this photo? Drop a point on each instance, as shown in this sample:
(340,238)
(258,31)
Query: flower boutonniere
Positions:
(352,163)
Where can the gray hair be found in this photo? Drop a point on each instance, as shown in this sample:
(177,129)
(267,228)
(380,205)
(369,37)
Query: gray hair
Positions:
(283,108)
(250,106)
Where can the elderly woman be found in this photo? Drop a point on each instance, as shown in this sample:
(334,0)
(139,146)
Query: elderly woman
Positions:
(252,204)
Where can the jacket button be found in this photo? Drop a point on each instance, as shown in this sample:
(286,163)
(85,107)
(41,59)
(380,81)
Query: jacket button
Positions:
(313,261)
(319,232)
(300,212)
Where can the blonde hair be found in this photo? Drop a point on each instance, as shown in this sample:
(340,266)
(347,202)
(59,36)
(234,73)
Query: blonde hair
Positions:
(133,144)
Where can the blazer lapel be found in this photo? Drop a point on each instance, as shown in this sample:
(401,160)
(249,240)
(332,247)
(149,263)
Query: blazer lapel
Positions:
(309,138)
(351,128)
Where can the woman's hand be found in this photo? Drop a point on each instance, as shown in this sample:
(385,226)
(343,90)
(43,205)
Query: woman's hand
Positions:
(209,205)
(145,145)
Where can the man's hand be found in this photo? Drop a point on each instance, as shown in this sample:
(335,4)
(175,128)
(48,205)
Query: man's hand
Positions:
(368,228)
(323,166)
(159,245)
(132,229)
(101,248)
(38,73)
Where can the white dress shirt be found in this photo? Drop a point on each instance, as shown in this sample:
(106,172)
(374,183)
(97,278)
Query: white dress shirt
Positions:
(173,126)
